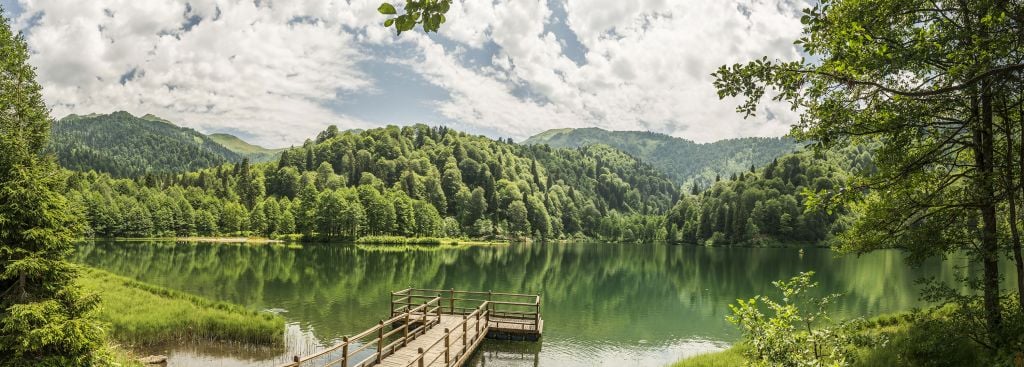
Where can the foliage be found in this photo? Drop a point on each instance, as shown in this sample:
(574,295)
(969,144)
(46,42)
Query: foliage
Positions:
(685,161)
(413,181)
(793,335)
(126,146)
(938,85)
(428,13)
(770,205)
(144,314)
(44,319)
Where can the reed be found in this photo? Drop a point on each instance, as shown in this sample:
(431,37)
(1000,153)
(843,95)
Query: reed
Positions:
(400,240)
(143,314)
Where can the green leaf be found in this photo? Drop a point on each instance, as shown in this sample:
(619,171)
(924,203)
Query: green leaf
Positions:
(386,8)
(389,22)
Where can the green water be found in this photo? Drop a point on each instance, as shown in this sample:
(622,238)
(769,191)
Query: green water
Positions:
(603,304)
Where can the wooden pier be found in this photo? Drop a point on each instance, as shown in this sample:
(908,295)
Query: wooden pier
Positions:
(430,327)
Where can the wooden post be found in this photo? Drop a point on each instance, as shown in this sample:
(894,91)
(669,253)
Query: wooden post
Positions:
(420,351)
(439,307)
(451,301)
(477,324)
(296,360)
(536,317)
(405,338)
(463,333)
(447,344)
(380,340)
(344,351)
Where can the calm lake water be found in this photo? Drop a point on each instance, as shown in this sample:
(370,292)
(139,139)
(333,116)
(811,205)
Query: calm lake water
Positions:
(603,304)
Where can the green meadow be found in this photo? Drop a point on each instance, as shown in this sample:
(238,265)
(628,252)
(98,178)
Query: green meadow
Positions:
(141,314)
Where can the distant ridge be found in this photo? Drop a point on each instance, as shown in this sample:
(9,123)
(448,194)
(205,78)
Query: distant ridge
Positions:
(124,145)
(254,152)
(683,160)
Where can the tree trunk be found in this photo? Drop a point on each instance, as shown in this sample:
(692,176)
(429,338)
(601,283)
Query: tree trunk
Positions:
(1018,259)
(1011,201)
(989,250)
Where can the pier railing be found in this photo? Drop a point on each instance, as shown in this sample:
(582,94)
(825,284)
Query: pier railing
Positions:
(415,321)
(458,342)
(506,310)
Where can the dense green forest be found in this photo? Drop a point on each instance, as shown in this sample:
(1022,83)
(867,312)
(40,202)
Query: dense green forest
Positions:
(683,160)
(126,146)
(254,153)
(412,181)
(768,205)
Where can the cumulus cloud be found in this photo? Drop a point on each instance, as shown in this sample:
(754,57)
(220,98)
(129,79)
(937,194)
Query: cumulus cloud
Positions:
(273,69)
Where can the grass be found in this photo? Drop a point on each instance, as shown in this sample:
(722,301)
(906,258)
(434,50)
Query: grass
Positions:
(423,241)
(141,314)
(121,357)
(726,358)
(924,338)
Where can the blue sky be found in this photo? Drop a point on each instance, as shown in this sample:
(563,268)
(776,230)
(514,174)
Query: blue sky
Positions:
(277,72)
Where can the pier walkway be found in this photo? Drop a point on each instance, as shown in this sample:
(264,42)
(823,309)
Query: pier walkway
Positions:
(430,327)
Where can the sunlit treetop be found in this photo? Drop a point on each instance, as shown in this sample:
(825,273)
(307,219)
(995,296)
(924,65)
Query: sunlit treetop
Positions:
(428,13)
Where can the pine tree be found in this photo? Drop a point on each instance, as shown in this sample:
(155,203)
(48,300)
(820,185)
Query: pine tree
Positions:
(44,318)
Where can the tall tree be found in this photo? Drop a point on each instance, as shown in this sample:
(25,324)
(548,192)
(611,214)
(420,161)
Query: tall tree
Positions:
(44,318)
(923,78)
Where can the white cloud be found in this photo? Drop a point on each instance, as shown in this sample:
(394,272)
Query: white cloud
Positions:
(249,69)
(273,70)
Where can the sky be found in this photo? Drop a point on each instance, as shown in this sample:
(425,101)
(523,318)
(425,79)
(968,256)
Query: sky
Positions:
(276,72)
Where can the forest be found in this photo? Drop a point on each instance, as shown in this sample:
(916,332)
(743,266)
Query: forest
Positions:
(127,146)
(769,205)
(408,181)
(683,160)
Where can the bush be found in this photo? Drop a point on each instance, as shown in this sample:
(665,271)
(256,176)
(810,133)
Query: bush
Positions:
(793,336)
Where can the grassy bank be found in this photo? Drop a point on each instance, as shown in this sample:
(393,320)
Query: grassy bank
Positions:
(421,241)
(143,314)
(925,338)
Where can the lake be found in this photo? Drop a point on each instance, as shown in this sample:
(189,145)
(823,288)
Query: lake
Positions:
(603,304)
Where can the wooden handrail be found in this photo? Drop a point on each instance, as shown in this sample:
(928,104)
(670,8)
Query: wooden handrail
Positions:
(425,316)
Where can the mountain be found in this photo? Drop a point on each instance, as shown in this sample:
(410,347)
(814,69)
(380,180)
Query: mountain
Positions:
(255,153)
(683,160)
(124,145)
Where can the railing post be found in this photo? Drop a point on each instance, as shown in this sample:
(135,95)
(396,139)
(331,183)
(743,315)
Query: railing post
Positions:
(536,316)
(420,351)
(447,356)
(439,307)
(344,352)
(296,360)
(463,333)
(405,338)
(451,300)
(380,340)
(477,324)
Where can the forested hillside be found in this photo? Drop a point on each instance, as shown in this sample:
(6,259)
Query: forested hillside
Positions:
(767,205)
(125,146)
(683,160)
(412,181)
(255,153)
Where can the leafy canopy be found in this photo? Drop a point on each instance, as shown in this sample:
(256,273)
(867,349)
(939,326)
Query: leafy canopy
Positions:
(428,13)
